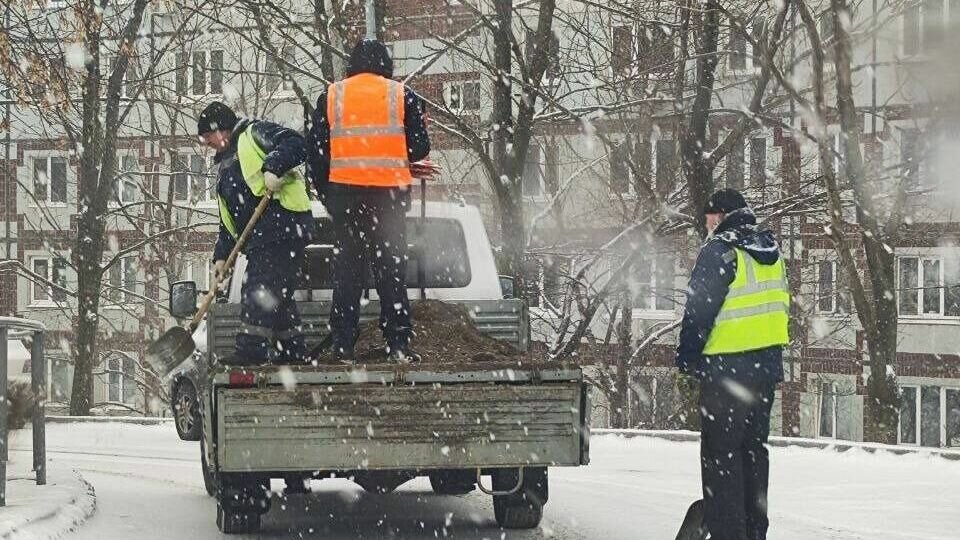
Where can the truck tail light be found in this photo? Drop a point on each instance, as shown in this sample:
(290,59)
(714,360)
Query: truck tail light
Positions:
(242,379)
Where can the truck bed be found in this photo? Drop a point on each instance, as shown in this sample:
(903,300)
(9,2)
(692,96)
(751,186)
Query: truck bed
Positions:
(419,417)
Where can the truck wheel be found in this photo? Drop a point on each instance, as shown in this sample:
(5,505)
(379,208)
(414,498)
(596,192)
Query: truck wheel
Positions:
(186,411)
(523,509)
(209,476)
(453,482)
(237,523)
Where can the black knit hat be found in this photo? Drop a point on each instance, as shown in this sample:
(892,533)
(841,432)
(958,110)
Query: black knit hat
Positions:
(724,201)
(370,56)
(216,117)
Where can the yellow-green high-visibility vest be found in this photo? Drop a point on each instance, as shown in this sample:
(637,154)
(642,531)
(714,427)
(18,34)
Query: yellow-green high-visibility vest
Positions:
(292,196)
(755,314)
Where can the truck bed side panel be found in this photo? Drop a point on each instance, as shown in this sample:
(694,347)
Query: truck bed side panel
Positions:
(370,426)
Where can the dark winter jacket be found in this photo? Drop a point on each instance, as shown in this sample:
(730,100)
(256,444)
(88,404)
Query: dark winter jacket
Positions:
(367,57)
(709,282)
(285,150)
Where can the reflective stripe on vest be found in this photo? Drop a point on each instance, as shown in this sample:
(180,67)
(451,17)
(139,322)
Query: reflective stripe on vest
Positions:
(368,143)
(755,313)
(292,196)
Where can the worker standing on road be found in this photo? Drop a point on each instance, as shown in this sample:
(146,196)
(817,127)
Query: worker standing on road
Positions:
(254,156)
(735,325)
(367,131)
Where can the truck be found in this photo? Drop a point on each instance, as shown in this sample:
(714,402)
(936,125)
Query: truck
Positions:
(495,425)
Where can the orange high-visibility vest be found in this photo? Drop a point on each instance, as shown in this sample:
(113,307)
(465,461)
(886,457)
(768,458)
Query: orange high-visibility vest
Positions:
(368,145)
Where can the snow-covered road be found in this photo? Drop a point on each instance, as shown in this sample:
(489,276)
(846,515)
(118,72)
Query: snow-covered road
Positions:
(149,486)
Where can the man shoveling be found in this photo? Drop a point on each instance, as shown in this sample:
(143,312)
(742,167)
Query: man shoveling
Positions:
(255,159)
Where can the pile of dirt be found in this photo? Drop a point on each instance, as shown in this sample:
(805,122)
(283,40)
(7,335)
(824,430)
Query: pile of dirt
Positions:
(442,333)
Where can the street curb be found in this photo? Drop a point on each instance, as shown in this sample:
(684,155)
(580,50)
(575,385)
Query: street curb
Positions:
(57,522)
(141,420)
(786,442)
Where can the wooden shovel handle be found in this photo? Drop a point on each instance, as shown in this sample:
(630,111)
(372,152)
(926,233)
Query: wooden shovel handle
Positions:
(228,265)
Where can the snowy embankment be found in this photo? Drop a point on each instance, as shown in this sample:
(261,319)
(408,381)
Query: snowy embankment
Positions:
(42,512)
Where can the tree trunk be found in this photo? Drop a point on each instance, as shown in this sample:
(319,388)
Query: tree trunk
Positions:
(624,340)
(696,169)
(89,248)
(882,395)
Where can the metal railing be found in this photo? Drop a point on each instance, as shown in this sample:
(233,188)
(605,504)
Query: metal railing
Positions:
(12,327)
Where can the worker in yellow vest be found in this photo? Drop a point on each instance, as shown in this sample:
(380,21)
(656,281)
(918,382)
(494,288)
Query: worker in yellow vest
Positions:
(735,325)
(254,157)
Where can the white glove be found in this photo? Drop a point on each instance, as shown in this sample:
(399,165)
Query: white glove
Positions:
(274,182)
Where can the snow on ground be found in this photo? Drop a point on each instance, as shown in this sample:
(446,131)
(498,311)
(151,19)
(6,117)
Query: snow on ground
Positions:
(149,486)
(41,512)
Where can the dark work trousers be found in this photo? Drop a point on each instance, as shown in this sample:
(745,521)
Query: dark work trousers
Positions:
(369,226)
(735,424)
(270,328)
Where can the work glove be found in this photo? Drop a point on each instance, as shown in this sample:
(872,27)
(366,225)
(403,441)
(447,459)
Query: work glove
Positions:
(218,270)
(273,182)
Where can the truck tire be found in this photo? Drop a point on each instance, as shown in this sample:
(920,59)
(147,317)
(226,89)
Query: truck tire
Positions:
(453,482)
(523,509)
(209,476)
(186,411)
(237,523)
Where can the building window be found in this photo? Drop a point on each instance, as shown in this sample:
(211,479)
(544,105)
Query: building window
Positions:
(951,423)
(122,379)
(462,96)
(126,187)
(123,281)
(652,287)
(275,80)
(666,164)
(541,169)
(930,416)
(545,277)
(126,89)
(921,287)
(199,73)
(833,295)
(828,410)
(193,183)
(199,272)
(53,270)
(924,24)
(552,73)
(743,54)
(911,160)
(642,50)
(50,179)
(59,386)
(837,157)
(622,178)
(735,161)
(758,162)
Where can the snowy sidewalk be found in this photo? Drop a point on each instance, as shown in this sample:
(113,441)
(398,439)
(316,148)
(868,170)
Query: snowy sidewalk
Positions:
(42,512)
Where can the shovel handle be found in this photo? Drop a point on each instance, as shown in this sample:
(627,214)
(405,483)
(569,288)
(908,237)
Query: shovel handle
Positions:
(228,265)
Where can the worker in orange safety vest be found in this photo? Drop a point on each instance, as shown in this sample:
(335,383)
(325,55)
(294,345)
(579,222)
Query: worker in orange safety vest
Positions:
(367,130)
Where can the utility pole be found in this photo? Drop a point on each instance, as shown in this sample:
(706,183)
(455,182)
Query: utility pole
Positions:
(371,12)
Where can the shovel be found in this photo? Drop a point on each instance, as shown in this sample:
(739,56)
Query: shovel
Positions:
(176,344)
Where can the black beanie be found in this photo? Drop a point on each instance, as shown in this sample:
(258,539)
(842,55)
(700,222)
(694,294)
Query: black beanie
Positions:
(724,201)
(370,56)
(216,117)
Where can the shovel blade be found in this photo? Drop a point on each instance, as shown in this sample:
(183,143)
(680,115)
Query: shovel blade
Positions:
(170,350)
